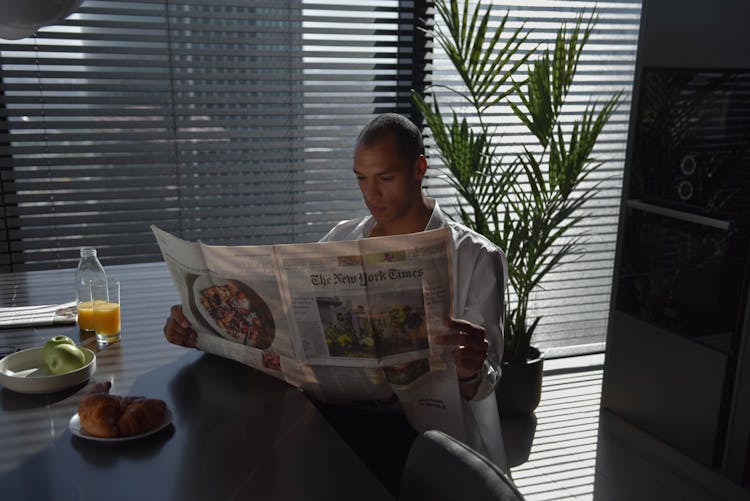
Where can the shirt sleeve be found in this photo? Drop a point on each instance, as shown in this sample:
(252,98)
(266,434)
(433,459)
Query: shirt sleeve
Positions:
(485,306)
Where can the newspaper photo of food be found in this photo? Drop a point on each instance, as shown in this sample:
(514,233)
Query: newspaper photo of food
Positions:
(271,361)
(235,311)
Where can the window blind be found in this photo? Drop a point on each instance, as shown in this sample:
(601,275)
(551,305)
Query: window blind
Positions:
(225,121)
(573,300)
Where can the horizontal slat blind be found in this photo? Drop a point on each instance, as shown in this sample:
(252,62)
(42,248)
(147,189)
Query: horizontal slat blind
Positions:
(574,300)
(230,122)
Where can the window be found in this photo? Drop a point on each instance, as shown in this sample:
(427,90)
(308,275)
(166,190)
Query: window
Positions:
(225,121)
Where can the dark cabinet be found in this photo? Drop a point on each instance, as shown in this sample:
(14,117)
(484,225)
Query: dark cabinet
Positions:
(677,346)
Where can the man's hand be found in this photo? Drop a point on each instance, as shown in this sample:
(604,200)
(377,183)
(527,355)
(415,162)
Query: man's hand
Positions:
(470,353)
(177,329)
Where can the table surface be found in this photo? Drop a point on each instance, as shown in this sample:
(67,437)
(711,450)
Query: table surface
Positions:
(236,433)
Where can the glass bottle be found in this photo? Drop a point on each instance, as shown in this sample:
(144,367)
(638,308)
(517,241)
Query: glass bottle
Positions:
(89,274)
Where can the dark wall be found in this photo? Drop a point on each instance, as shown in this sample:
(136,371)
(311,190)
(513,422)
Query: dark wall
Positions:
(695,33)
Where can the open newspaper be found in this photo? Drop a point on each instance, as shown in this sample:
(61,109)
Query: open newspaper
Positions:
(348,322)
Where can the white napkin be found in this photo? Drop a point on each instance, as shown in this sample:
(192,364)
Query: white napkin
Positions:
(45,314)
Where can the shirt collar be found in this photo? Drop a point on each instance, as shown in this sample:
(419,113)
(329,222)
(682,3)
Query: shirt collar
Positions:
(437,218)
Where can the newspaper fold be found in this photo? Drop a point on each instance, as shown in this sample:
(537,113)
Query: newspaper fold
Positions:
(348,322)
(39,315)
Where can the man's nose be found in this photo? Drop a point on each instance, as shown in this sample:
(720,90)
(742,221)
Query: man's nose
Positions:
(372,190)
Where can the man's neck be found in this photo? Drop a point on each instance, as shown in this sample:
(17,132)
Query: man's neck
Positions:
(413,222)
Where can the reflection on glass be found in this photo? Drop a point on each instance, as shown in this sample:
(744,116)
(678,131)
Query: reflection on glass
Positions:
(686,230)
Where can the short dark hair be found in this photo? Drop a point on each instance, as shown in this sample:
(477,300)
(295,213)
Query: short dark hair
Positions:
(393,125)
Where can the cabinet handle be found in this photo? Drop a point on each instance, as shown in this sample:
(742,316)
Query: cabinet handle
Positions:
(680,215)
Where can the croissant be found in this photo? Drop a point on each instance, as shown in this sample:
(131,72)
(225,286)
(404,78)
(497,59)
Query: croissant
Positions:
(140,416)
(99,413)
(109,416)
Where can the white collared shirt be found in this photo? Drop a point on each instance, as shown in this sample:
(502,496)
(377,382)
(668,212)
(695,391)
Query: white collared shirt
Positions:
(479,285)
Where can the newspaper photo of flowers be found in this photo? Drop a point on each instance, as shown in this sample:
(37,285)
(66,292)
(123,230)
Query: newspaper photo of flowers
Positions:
(393,325)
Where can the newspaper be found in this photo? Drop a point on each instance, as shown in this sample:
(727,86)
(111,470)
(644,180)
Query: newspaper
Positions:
(348,322)
(39,315)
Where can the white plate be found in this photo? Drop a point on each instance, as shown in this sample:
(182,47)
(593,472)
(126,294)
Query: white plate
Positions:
(26,372)
(76,429)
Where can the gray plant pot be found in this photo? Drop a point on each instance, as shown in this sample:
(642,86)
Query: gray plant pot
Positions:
(520,387)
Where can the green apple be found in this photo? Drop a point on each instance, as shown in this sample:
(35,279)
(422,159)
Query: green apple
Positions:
(65,358)
(51,343)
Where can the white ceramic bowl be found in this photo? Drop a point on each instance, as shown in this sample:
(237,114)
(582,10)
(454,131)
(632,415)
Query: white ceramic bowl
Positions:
(26,372)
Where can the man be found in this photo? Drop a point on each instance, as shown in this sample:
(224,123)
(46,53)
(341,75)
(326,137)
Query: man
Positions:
(390,165)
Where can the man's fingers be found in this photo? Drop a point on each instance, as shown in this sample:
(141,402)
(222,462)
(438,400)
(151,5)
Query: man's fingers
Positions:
(179,335)
(462,339)
(469,356)
(187,335)
(468,362)
(185,341)
(177,314)
(465,326)
(471,345)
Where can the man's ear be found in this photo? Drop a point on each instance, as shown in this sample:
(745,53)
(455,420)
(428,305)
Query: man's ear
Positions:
(420,167)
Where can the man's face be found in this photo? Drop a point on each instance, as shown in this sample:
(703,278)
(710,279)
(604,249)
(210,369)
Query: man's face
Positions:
(391,186)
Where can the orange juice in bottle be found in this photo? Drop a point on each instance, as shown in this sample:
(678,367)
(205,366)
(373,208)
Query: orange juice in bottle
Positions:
(90,273)
(86,316)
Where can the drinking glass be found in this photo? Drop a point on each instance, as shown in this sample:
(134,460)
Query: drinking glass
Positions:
(106,312)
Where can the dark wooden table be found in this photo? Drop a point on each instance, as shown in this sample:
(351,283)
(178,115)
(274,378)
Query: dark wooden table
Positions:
(236,433)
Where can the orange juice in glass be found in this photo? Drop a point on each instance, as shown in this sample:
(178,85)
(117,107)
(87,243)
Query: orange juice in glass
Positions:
(107,314)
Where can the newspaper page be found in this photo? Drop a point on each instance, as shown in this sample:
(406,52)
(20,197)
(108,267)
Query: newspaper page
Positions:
(348,322)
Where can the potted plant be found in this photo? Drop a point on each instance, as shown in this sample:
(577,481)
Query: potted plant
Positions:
(525,204)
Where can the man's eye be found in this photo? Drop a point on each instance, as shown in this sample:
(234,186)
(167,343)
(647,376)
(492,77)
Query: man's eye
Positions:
(387,178)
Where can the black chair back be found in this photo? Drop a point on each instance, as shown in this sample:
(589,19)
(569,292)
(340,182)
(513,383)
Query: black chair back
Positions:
(440,468)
